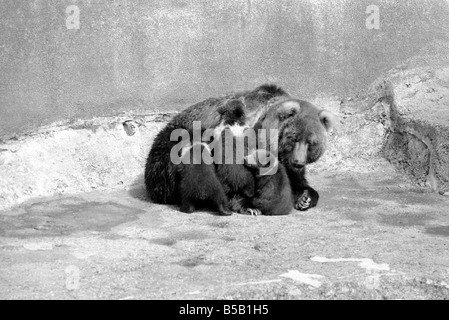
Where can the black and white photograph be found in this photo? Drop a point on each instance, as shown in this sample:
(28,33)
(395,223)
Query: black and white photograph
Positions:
(224,154)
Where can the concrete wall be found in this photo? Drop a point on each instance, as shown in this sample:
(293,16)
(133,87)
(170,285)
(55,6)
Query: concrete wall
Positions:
(167,54)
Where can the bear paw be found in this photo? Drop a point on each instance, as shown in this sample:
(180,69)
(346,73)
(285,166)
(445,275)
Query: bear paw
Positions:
(253,212)
(306,200)
(187,208)
(223,211)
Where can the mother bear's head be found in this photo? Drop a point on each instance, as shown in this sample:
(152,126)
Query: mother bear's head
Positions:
(302,131)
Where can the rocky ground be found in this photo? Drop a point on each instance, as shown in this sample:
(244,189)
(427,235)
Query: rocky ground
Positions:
(373,236)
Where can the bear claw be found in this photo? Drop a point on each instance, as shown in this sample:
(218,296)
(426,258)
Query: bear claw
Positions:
(307,200)
(253,212)
(304,204)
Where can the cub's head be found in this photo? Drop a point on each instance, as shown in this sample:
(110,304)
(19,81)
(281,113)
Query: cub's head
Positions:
(232,113)
(232,118)
(302,131)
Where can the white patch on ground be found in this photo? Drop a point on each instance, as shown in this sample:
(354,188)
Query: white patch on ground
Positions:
(83,254)
(367,264)
(34,246)
(372,281)
(306,278)
(194,292)
(258,282)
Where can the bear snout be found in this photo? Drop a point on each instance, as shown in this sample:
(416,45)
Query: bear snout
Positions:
(299,156)
(297,164)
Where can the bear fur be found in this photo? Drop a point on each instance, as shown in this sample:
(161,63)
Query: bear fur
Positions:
(160,173)
(273,194)
(302,129)
(302,139)
(198,183)
(230,150)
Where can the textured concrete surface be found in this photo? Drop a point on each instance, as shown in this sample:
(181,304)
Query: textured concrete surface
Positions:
(77,156)
(412,107)
(419,138)
(373,236)
(167,54)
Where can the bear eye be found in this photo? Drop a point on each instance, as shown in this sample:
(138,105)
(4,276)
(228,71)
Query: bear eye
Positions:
(312,142)
(311,145)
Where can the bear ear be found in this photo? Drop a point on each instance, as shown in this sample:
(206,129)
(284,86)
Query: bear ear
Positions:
(233,108)
(328,120)
(288,109)
(237,109)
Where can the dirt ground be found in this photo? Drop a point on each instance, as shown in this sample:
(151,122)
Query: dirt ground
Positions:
(372,236)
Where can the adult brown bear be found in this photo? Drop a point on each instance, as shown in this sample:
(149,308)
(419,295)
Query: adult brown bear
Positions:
(266,107)
(302,139)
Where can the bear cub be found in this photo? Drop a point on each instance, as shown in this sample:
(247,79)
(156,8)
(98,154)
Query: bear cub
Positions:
(230,150)
(273,194)
(198,182)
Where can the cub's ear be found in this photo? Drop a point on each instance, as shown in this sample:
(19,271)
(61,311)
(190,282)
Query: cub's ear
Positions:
(233,108)
(288,109)
(328,119)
